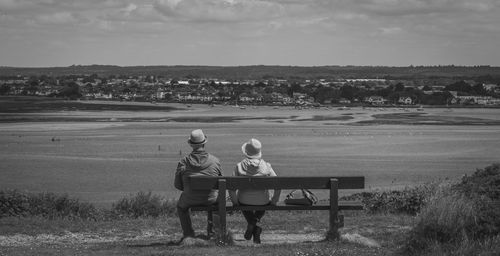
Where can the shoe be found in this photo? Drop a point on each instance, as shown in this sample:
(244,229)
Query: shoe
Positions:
(256,234)
(186,237)
(249,232)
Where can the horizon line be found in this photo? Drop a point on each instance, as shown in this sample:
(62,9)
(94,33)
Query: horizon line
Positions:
(251,65)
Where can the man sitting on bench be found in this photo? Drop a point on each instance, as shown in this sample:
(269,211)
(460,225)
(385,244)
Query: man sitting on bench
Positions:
(197,163)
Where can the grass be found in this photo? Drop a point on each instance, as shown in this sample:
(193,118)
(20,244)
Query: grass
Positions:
(158,249)
(449,219)
(144,204)
(157,236)
(143,233)
(461,217)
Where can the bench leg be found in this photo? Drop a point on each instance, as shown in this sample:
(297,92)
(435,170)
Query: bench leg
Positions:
(220,218)
(333,233)
(210,224)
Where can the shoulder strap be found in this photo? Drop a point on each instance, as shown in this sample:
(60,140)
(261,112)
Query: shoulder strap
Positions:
(240,171)
(310,195)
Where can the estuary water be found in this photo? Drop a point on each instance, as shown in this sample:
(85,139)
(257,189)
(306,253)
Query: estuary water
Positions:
(101,162)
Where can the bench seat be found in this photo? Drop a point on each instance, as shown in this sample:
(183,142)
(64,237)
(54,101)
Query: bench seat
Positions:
(333,205)
(342,206)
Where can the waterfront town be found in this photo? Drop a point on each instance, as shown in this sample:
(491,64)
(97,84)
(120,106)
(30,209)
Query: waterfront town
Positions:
(271,91)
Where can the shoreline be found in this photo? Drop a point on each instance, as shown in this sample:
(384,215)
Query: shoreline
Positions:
(31,110)
(361,118)
(42,110)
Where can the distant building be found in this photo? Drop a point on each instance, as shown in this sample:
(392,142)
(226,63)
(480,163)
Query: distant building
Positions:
(471,99)
(375,100)
(366,80)
(247,98)
(298,95)
(405,100)
(223,82)
(490,87)
(344,101)
(161,94)
(193,97)
(280,98)
(99,96)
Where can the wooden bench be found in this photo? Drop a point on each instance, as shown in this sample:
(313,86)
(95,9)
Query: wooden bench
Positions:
(223,184)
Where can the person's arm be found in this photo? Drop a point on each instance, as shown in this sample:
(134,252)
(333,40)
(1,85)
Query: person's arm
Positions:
(219,169)
(232,193)
(277,192)
(234,197)
(181,167)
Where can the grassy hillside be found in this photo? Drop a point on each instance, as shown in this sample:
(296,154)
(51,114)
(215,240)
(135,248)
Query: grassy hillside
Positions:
(160,236)
(443,219)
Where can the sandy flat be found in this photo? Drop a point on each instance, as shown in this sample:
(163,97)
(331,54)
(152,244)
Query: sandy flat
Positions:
(55,126)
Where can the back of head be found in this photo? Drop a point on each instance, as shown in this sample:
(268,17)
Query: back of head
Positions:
(197,139)
(252,149)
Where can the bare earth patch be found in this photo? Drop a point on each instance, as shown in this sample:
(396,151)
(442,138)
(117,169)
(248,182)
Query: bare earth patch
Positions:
(70,238)
(87,238)
(362,235)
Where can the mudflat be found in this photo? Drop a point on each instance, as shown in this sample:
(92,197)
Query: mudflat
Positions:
(103,155)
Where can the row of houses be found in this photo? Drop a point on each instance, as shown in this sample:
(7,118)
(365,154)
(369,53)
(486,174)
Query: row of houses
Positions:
(379,100)
(216,90)
(469,99)
(199,98)
(479,100)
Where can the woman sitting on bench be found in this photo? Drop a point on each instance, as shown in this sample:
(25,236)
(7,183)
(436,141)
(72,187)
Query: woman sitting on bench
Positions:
(253,165)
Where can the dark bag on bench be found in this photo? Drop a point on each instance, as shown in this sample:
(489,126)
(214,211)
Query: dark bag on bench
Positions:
(301,197)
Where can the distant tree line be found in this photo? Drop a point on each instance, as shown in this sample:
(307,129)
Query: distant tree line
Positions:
(489,73)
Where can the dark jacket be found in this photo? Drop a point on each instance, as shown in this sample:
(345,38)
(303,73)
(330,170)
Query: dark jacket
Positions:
(198,163)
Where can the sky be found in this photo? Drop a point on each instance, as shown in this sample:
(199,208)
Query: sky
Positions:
(48,33)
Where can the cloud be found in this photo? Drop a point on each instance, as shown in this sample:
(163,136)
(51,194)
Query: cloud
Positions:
(133,13)
(416,7)
(390,30)
(29,8)
(218,10)
(59,18)
(130,8)
(267,27)
(92,16)
(12,7)
(459,18)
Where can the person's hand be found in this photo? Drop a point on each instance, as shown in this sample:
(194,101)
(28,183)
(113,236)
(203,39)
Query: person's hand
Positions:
(273,202)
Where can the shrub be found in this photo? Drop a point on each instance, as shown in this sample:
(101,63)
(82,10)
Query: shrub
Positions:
(484,182)
(13,203)
(144,205)
(407,201)
(463,216)
(52,206)
(49,205)
(484,187)
(488,246)
(446,219)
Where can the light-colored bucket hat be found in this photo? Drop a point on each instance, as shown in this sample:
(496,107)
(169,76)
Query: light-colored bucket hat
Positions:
(252,149)
(197,138)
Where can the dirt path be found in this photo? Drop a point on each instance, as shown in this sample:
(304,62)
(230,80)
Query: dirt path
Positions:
(69,239)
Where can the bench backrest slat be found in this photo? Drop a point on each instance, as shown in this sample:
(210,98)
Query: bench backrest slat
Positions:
(281,182)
